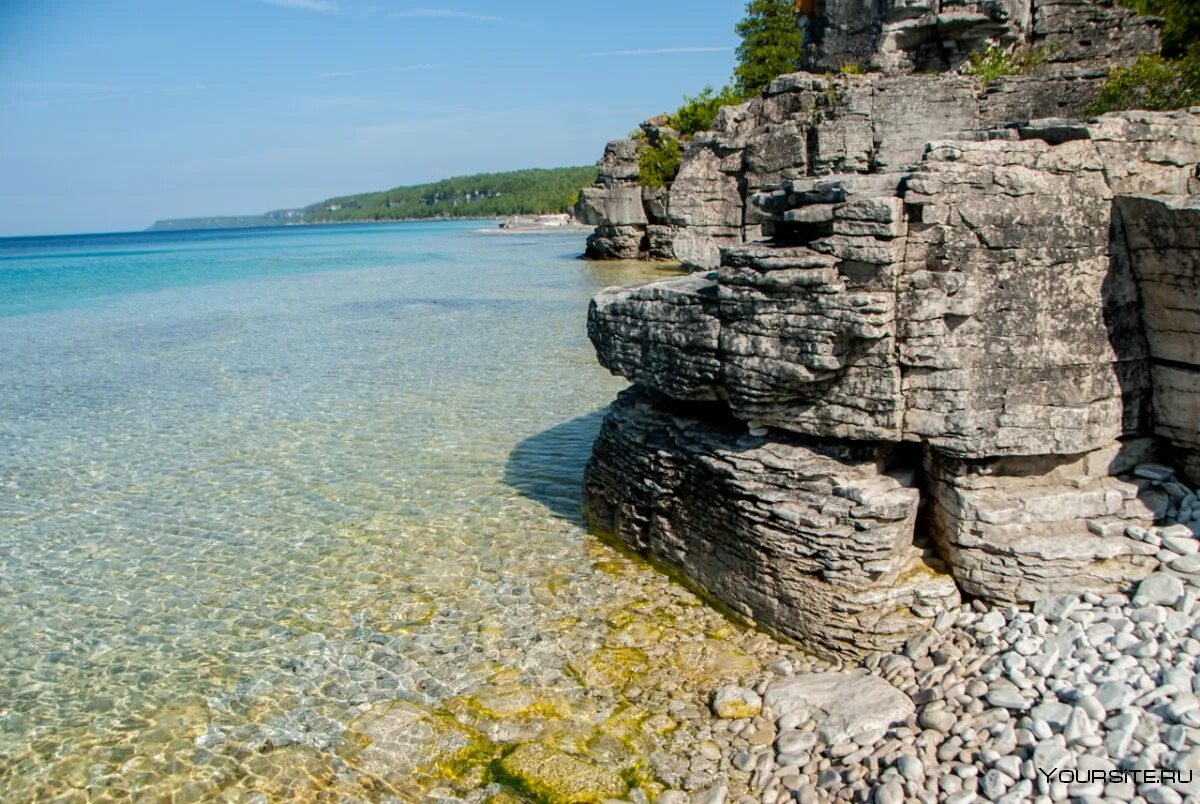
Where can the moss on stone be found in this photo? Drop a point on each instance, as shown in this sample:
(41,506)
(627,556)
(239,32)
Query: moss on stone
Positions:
(548,775)
(639,775)
(509,702)
(610,667)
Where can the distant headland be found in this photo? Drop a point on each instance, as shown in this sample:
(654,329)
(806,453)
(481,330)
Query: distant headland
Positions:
(535,191)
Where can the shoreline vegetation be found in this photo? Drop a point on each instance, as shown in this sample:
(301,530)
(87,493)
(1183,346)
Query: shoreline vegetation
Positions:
(480,196)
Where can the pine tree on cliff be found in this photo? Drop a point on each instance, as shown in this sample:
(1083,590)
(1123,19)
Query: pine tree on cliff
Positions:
(771,44)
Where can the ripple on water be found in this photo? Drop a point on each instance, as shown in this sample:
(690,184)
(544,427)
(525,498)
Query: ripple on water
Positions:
(318,534)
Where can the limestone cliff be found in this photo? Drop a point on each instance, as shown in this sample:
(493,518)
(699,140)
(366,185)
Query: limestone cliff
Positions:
(816,124)
(928,348)
(950,370)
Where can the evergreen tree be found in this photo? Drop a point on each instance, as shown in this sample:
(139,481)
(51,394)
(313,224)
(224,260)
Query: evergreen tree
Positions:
(771,44)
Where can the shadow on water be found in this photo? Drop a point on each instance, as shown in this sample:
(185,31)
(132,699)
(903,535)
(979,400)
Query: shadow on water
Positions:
(548,467)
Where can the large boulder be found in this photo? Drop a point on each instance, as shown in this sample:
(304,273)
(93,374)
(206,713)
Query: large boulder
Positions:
(812,540)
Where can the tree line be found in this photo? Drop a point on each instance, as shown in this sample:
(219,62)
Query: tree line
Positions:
(483,195)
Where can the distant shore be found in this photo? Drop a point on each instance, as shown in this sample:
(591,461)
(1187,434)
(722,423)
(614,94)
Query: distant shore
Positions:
(537,224)
(507,225)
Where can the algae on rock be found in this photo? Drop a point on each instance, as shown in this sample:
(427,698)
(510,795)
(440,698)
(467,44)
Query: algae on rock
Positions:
(551,776)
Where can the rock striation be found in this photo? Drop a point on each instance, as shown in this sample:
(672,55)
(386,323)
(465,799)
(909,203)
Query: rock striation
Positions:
(1162,245)
(823,529)
(822,123)
(954,375)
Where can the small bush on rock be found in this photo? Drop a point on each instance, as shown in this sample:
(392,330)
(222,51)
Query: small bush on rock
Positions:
(699,113)
(996,62)
(659,162)
(1159,82)
(1151,82)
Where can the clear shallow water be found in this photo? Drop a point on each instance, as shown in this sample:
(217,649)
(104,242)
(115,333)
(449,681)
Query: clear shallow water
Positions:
(253,483)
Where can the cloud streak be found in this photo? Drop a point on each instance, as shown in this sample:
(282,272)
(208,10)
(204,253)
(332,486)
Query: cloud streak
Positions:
(659,51)
(64,86)
(446,13)
(322,6)
(407,68)
(99,92)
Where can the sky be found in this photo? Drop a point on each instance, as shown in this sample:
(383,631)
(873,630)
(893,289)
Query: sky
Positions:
(115,113)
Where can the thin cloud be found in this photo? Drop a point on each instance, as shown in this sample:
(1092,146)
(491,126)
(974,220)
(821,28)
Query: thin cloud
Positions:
(121,94)
(64,86)
(446,13)
(658,51)
(322,6)
(407,68)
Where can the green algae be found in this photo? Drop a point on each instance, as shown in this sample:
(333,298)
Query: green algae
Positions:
(640,776)
(384,743)
(550,776)
(610,667)
(509,701)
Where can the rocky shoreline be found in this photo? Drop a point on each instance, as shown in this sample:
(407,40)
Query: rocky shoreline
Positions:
(1089,697)
(927,407)
(992,702)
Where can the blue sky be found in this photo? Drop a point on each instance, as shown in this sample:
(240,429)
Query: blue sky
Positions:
(115,113)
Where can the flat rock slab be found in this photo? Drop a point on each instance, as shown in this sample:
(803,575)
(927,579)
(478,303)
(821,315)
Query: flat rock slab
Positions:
(843,705)
(548,774)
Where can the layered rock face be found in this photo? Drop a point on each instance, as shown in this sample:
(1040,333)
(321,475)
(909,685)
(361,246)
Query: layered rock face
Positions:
(1162,244)
(903,36)
(806,125)
(614,205)
(824,529)
(968,364)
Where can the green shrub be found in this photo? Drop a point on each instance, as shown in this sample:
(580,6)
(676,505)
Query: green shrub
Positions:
(853,68)
(1151,82)
(1181,27)
(700,112)
(1169,81)
(996,62)
(658,163)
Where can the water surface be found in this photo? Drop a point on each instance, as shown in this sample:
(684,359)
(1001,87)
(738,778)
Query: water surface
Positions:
(254,482)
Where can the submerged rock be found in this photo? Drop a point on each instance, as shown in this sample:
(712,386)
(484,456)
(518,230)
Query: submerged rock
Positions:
(400,744)
(549,775)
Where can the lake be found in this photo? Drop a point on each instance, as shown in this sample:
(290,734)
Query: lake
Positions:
(264,492)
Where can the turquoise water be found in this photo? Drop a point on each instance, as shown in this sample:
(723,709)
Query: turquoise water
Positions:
(253,482)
